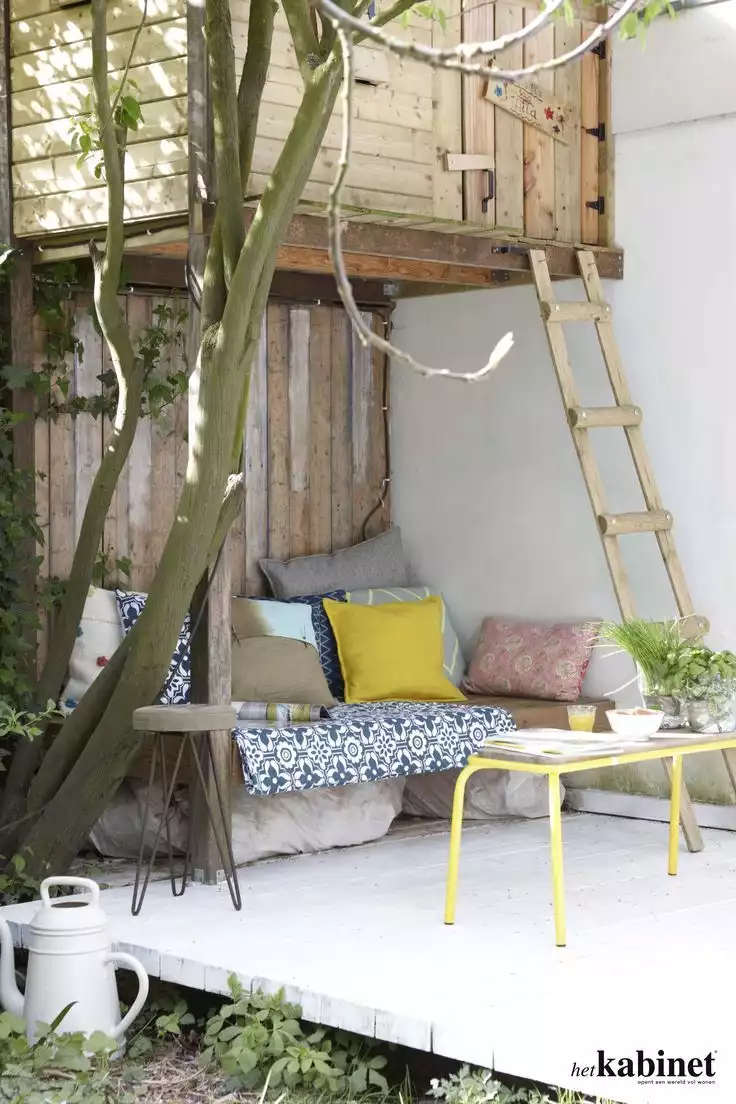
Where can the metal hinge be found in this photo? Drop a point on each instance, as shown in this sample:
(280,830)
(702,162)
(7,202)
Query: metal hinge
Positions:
(598,132)
(600,50)
(598,204)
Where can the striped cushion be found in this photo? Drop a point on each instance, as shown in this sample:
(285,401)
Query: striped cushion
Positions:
(454,664)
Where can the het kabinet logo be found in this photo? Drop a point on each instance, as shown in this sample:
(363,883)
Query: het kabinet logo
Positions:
(661,1070)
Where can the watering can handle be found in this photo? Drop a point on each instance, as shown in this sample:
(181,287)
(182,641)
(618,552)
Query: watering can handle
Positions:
(133,964)
(69,880)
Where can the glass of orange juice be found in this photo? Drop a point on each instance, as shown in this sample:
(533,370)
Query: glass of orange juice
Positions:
(581,718)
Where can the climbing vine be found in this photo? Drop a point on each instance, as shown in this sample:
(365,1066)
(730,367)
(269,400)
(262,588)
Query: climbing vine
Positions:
(51,381)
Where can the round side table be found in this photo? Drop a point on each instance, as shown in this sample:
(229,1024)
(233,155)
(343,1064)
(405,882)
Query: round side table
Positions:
(193,723)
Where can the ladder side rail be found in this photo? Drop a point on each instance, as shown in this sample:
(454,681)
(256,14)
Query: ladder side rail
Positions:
(634,434)
(581,440)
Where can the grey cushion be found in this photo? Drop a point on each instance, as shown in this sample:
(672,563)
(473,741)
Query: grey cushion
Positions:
(378,562)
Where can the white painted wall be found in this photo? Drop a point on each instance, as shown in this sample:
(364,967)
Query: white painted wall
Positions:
(486,485)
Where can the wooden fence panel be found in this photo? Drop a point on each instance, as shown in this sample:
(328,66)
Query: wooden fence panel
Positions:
(314,455)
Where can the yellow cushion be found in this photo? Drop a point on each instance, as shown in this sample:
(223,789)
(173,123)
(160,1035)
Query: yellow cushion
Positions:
(392,652)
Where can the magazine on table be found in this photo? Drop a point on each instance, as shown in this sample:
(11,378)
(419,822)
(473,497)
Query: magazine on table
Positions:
(554,742)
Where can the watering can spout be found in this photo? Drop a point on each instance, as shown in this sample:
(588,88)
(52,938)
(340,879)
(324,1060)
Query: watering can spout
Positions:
(11,997)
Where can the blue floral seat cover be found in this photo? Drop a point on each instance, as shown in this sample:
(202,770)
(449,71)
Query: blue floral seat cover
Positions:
(365,742)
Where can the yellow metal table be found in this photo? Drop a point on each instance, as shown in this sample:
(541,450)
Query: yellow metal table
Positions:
(674,746)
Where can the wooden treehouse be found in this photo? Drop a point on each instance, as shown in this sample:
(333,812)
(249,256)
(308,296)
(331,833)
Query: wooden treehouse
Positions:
(450,177)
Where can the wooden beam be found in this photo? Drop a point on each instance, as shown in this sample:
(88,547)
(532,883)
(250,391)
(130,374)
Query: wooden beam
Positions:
(367,266)
(211,676)
(498,253)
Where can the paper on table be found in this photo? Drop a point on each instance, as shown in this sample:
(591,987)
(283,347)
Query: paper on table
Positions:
(552,742)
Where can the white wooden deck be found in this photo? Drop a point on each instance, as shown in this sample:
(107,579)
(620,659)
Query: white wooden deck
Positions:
(356,936)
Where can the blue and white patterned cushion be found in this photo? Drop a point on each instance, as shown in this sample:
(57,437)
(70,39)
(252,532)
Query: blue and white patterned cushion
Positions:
(176,688)
(365,742)
(326,643)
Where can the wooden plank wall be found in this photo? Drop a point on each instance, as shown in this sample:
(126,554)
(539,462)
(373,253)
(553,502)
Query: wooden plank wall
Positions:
(394,155)
(314,450)
(542,186)
(50,80)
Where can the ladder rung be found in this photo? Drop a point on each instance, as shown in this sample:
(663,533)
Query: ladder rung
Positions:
(576,312)
(645,521)
(589,417)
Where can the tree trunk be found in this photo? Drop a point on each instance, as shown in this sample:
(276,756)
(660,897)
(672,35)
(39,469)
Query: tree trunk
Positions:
(76,785)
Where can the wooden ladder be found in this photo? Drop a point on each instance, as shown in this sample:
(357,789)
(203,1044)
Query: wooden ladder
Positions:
(626,415)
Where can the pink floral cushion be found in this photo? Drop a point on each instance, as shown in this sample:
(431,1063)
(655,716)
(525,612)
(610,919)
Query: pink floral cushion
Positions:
(530,659)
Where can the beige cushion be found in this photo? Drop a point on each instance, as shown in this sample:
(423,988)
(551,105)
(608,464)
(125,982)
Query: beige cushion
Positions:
(267,668)
(277,669)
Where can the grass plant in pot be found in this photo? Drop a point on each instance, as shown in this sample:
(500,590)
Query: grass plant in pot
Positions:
(657,648)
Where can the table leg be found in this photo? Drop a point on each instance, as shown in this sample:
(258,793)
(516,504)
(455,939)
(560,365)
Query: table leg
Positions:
(555,840)
(675,799)
(456,831)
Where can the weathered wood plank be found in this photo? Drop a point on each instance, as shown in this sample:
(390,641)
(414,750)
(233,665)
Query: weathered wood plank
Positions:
(478,121)
(567,158)
(377,420)
(49,29)
(363,394)
(42,490)
(278,432)
(539,154)
(163,455)
(115,541)
(589,119)
(139,471)
(88,429)
(71,97)
(299,431)
(256,470)
(341,445)
(447,199)
(320,536)
(43,141)
(157,42)
(62,482)
(509,134)
(143,199)
(606,161)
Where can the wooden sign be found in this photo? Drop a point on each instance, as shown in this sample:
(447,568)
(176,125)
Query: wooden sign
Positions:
(533,105)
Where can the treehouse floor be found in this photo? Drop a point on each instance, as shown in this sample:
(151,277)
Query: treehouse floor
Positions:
(356,937)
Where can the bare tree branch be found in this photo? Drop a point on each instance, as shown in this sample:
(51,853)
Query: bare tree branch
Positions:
(221,53)
(334,225)
(455,58)
(253,79)
(303,35)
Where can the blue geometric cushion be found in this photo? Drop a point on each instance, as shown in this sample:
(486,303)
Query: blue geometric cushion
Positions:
(176,688)
(326,643)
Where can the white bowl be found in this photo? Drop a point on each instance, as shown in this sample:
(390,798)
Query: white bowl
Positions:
(635,724)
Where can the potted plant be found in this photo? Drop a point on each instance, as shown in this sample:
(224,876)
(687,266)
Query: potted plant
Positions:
(657,648)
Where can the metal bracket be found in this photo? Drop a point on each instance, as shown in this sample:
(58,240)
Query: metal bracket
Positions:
(598,204)
(600,50)
(598,132)
(491,192)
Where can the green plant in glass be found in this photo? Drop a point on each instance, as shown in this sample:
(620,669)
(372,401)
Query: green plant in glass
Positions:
(706,682)
(656,647)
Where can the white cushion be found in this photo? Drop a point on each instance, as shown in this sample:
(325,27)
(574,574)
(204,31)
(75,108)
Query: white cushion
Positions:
(98,636)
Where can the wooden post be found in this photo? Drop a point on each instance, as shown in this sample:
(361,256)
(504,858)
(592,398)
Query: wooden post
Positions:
(211,644)
(16,305)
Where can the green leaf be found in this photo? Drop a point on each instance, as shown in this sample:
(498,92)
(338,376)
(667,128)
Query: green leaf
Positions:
(65,1011)
(247,1060)
(98,1042)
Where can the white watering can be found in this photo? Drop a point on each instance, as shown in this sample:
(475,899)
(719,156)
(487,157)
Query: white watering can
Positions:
(69,960)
